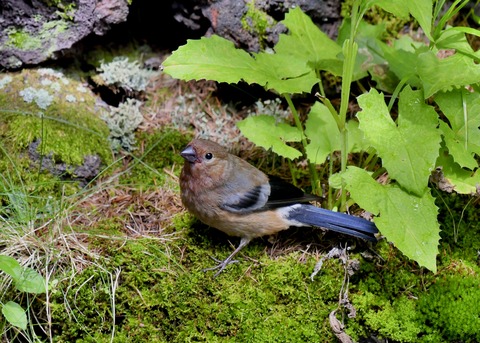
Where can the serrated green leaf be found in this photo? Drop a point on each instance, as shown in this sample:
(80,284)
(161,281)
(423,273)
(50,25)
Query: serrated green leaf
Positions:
(215,58)
(284,74)
(306,42)
(445,74)
(408,150)
(30,281)
(455,178)
(211,58)
(462,137)
(408,221)
(322,131)
(263,131)
(10,266)
(15,315)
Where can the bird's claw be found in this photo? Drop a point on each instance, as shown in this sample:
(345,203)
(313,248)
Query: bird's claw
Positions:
(222,264)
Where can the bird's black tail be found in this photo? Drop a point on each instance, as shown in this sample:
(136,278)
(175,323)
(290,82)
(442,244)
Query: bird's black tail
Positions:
(335,221)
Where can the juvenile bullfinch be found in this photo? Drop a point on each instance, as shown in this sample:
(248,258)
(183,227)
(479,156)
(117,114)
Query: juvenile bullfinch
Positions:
(229,194)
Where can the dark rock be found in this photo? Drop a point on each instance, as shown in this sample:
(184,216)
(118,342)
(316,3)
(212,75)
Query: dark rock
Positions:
(83,173)
(226,17)
(32,31)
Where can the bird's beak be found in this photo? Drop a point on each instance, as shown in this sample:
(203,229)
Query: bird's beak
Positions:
(189,154)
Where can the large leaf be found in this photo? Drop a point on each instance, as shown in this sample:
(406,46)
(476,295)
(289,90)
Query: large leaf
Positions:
(407,220)
(215,58)
(306,42)
(408,150)
(263,131)
(445,74)
(462,137)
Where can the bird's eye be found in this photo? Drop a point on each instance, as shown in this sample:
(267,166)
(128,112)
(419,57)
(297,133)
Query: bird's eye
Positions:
(208,155)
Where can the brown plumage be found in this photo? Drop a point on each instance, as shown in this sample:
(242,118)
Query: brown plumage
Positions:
(229,194)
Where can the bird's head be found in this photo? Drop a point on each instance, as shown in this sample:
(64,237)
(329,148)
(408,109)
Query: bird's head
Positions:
(205,159)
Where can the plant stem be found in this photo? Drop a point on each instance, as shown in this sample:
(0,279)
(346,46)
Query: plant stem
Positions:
(298,123)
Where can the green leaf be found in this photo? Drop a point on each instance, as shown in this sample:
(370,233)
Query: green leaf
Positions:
(215,58)
(462,137)
(211,58)
(30,281)
(305,42)
(322,131)
(454,38)
(402,60)
(406,220)
(263,131)
(422,11)
(397,8)
(408,150)
(284,74)
(10,266)
(445,74)
(454,178)
(15,314)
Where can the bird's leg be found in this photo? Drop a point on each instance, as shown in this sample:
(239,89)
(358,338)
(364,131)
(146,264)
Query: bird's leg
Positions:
(223,264)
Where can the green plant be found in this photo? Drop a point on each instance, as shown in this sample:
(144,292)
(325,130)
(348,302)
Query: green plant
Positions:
(451,307)
(25,280)
(412,139)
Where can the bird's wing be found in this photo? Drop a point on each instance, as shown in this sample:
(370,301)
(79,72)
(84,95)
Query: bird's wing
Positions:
(284,193)
(246,190)
(272,194)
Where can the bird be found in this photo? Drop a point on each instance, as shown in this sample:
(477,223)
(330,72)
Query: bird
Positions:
(227,193)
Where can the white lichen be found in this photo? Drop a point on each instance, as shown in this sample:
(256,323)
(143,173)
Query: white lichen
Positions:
(50,72)
(122,122)
(81,89)
(272,108)
(70,98)
(5,81)
(56,86)
(125,74)
(41,97)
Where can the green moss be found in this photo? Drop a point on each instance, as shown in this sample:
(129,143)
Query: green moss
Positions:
(68,130)
(451,307)
(256,21)
(397,320)
(23,40)
(164,296)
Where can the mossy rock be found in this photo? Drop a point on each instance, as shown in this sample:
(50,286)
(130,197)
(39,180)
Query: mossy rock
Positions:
(51,123)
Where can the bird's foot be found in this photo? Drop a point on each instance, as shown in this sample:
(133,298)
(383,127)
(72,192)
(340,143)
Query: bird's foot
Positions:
(220,266)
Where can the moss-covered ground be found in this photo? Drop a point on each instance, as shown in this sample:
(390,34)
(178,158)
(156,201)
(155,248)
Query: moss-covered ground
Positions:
(124,261)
